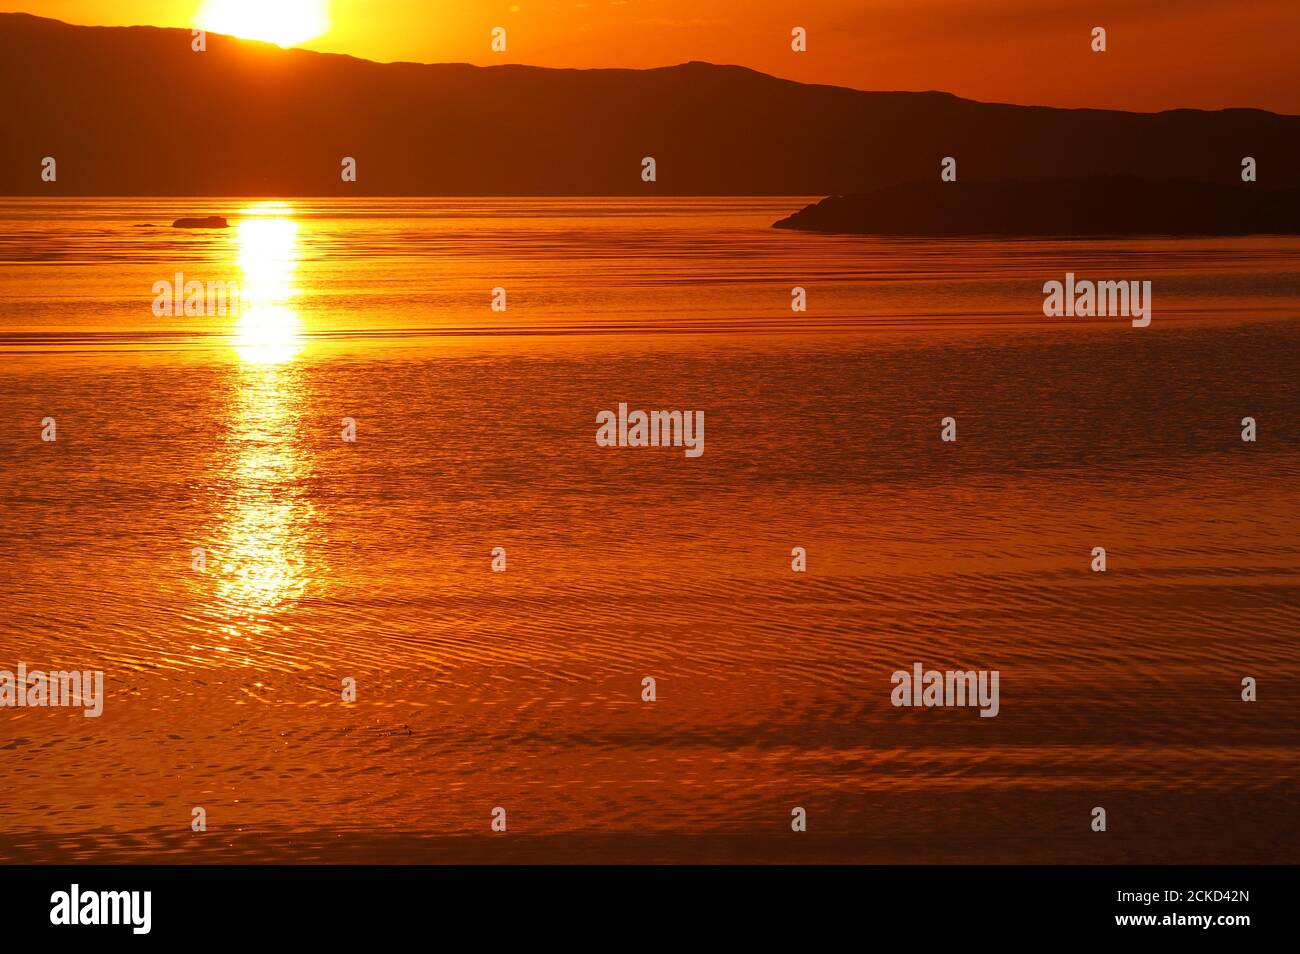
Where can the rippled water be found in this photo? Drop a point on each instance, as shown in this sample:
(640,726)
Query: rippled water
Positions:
(475,430)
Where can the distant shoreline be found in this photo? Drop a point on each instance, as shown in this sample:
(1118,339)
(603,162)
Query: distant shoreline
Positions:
(1088,207)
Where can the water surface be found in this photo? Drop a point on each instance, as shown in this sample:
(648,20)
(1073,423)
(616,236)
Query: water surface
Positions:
(522,689)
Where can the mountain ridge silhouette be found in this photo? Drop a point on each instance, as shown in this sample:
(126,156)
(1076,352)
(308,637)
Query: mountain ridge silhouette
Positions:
(134,111)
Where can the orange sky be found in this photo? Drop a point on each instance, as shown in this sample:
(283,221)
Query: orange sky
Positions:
(1162,53)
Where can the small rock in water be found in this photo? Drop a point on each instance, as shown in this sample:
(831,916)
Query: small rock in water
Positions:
(206,222)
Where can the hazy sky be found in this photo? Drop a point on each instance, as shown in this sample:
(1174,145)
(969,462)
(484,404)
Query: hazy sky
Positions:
(1161,53)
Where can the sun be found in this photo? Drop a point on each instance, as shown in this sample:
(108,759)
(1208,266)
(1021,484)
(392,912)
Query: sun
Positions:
(283,22)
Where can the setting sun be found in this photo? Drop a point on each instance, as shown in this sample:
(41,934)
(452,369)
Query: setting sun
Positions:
(285,22)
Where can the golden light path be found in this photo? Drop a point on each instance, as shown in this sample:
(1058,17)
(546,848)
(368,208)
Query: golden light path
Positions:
(265,513)
(268,330)
(283,22)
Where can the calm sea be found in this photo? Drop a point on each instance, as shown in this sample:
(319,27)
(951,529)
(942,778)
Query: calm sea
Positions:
(325,560)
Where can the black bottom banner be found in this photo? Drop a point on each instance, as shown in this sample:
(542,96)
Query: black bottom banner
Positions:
(142,904)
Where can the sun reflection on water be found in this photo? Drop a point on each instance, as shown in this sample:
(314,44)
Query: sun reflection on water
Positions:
(268,330)
(266,511)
